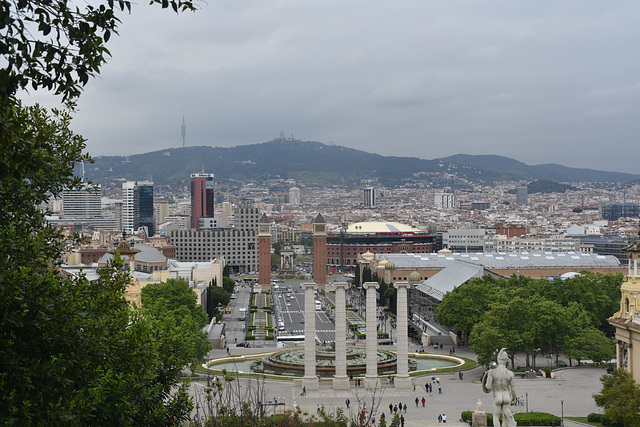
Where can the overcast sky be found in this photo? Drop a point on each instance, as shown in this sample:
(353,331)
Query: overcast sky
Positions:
(538,81)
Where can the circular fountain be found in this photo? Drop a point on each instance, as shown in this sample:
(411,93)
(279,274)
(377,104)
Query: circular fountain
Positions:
(291,362)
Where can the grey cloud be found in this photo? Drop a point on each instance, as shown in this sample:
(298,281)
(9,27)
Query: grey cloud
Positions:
(537,81)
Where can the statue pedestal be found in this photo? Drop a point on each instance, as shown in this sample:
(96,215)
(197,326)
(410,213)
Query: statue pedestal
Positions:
(404,383)
(479,420)
(341,383)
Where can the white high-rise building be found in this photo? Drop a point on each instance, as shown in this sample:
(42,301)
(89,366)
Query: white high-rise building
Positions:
(295,197)
(137,206)
(128,206)
(522,196)
(82,203)
(369,197)
(445,200)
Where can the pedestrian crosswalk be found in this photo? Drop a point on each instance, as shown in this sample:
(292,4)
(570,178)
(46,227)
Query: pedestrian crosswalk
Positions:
(301,332)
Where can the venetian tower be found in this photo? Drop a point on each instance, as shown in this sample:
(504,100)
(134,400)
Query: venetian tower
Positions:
(264,253)
(320,252)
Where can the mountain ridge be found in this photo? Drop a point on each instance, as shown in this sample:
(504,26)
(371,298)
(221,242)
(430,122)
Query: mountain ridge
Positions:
(317,164)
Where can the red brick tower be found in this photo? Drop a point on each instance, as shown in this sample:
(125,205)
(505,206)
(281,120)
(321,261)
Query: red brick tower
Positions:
(264,253)
(320,252)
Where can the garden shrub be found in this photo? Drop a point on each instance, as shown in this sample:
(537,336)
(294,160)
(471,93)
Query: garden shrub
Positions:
(522,418)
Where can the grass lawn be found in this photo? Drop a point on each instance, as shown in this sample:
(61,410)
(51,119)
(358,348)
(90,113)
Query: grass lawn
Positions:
(584,421)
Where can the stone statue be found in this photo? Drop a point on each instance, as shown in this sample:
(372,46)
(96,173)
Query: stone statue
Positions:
(479,409)
(500,380)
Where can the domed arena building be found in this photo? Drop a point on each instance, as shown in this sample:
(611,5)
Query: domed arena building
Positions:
(345,245)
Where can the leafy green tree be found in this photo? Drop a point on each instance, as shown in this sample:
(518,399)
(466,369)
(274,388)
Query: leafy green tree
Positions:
(391,297)
(485,339)
(228,284)
(73,352)
(275,261)
(218,297)
(466,305)
(590,344)
(598,294)
(277,247)
(620,398)
(173,295)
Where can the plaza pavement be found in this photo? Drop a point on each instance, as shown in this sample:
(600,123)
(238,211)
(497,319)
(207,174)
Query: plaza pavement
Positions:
(575,386)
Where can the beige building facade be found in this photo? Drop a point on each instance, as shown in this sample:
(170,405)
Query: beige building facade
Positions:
(627,319)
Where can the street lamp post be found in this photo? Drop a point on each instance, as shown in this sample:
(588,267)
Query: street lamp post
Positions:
(526,401)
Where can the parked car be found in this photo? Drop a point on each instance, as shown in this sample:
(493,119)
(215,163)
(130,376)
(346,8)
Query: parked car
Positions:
(243,344)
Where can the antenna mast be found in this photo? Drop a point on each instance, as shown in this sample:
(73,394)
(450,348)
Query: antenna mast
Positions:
(183,130)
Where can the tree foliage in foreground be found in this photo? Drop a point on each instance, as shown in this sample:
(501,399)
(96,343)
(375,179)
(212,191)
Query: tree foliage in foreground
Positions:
(58,46)
(175,296)
(620,398)
(73,351)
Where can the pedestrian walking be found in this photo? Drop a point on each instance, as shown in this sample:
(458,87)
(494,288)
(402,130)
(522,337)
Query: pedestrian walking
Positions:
(401,420)
(439,418)
(348,402)
(417,402)
(444,418)
(426,387)
(414,388)
(439,388)
(390,408)
(405,408)
(423,401)
(304,390)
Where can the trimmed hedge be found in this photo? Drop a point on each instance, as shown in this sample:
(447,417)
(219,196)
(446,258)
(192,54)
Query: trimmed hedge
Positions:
(522,418)
(600,418)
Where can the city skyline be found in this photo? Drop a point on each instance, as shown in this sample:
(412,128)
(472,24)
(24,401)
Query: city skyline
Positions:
(540,83)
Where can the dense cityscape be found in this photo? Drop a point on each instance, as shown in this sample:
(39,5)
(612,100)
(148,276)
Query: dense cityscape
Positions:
(411,271)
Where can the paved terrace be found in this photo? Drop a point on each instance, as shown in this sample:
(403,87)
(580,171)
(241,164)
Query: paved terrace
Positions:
(575,386)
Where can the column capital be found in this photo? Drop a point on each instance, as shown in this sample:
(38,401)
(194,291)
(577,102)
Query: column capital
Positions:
(308,285)
(336,285)
(399,285)
(368,285)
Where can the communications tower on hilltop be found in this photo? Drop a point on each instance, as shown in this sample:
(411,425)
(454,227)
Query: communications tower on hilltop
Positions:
(183,130)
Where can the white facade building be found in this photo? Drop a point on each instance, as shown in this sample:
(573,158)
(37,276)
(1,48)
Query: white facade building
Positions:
(445,200)
(295,196)
(82,203)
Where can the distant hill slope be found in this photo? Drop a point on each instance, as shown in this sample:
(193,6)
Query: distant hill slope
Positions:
(314,163)
(505,166)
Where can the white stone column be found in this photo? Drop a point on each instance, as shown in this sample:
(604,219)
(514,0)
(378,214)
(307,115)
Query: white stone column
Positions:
(402,335)
(340,378)
(371,376)
(310,380)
